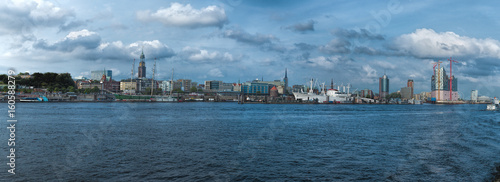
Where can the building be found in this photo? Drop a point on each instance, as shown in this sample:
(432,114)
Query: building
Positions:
(299,88)
(213,85)
(166,86)
(483,99)
(97,75)
(367,93)
(142,67)
(88,84)
(255,88)
(128,87)
(440,86)
(383,87)
(80,78)
(143,84)
(226,87)
(274,92)
(184,84)
(280,85)
(473,96)
(237,87)
(410,85)
(406,93)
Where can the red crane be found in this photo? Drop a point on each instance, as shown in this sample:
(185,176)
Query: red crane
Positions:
(451,78)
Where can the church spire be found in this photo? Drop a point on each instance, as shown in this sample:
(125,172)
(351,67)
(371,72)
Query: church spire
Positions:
(142,54)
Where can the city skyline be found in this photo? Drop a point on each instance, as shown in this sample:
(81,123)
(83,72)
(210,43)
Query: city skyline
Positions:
(232,40)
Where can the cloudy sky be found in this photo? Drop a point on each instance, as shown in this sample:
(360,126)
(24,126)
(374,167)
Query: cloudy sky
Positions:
(348,41)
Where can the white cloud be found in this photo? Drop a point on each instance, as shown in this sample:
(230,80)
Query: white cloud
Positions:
(19,17)
(201,55)
(215,73)
(369,71)
(426,43)
(322,62)
(87,45)
(117,50)
(185,16)
(84,38)
(81,33)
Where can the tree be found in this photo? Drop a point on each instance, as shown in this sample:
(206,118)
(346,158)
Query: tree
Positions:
(95,89)
(394,95)
(193,89)
(71,89)
(178,90)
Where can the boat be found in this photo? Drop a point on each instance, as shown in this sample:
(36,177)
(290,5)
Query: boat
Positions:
(493,106)
(30,99)
(331,95)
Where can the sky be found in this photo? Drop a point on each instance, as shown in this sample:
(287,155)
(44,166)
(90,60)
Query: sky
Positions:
(351,42)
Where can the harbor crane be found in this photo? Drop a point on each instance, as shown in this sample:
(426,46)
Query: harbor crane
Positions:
(451,78)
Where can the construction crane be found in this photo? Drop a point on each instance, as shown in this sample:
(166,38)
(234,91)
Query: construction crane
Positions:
(451,78)
(439,79)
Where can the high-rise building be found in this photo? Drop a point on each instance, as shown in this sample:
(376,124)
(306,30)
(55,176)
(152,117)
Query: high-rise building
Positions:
(97,75)
(142,67)
(440,86)
(383,86)
(473,96)
(410,85)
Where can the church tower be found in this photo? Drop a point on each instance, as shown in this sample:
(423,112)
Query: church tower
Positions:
(142,66)
(286,81)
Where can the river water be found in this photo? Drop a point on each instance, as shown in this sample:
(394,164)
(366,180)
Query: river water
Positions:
(251,142)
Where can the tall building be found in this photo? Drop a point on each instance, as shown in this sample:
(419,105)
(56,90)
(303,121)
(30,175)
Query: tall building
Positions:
(440,86)
(473,96)
(142,67)
(97,75)
(286,81)
(383,86)
(410,85)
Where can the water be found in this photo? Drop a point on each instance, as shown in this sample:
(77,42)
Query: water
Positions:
(252,142)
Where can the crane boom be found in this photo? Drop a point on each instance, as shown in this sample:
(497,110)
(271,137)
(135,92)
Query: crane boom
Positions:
(451,78)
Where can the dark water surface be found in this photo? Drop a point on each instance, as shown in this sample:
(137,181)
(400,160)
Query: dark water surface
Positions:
(251,142)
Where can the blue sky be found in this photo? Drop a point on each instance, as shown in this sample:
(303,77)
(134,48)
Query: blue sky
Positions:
(349,41)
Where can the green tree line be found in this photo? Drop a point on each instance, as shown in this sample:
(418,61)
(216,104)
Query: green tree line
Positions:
(51,81)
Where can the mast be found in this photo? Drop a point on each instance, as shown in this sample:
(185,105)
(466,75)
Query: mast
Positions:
(132,76)
(172,82)
(451,78)
(311,89)
(153,79)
